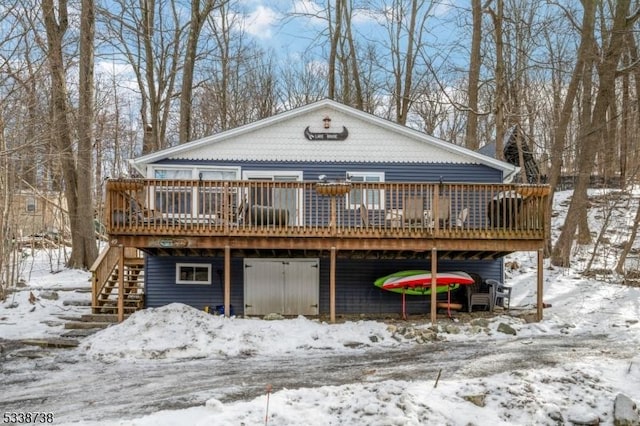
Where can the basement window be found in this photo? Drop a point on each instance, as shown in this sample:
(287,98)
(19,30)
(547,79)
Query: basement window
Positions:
(193,273)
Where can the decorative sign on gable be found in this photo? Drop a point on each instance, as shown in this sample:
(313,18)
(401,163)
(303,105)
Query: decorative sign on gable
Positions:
(326,136)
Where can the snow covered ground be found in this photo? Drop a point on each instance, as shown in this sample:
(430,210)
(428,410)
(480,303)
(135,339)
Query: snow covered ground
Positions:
(581,388)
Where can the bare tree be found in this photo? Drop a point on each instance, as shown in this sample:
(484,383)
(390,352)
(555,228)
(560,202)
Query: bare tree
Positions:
(79,203)
(475,59)
(405,28)
(607,72)
(149,35)
(84,253)
(199,14)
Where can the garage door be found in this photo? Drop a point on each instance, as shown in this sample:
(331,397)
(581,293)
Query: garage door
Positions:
(284,286)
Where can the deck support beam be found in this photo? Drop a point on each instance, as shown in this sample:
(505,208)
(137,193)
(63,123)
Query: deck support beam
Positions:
(121,283)
(540,274)
(332,286)
(227,281)
(434,273)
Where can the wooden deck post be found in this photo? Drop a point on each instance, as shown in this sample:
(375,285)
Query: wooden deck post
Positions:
(434,272)
(540,291)
(121,283)
(227,281)
(332,286)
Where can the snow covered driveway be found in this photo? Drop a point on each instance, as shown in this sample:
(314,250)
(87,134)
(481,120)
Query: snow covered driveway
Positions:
(77,388)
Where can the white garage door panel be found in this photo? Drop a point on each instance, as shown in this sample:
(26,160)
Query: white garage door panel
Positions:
(263,289)
(301,288)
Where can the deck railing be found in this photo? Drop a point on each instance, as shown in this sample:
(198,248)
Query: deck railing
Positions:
(316,209)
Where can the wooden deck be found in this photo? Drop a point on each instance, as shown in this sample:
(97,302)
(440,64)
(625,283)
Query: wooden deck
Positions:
(204,217)
(313,219)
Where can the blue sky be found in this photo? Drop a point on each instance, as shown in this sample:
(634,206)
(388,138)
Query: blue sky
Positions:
(292,25)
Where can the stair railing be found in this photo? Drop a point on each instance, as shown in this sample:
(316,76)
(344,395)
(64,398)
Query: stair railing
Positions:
(102,269)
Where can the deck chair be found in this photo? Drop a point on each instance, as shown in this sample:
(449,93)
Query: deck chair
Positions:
(413,210)
(501,293)
(444,210)
(479,294)
(462,217)
(130,212)
(364,215)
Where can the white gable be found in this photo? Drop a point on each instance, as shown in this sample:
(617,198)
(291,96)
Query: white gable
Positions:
(282,138)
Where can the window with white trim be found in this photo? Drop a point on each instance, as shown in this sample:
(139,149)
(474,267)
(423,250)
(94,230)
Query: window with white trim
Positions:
(193,273)
(188,200)
(370,197)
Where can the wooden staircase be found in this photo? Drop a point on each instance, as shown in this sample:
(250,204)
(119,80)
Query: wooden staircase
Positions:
(106,274)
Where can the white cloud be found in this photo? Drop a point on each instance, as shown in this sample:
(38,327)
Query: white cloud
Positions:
(261,21)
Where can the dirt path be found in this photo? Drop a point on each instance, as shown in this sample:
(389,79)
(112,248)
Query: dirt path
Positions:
(75,388)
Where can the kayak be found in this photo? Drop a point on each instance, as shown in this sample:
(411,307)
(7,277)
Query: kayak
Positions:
(417,282)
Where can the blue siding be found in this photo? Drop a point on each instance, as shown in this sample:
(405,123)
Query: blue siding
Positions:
(355,292)
(394,172)
(161,288)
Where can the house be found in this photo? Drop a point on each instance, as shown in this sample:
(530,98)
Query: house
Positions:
(37,217)
(301,212)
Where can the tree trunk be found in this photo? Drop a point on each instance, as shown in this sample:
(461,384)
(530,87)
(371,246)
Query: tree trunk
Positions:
(334,34)
(471,136)
(501,86)
(198,18)
(78,195)
(85,251)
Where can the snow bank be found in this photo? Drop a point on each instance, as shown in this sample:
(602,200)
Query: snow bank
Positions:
(180,331)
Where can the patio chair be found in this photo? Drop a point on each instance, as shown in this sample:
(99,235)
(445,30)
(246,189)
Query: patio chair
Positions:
(462,217)
(413,210)
(364,215)
(444,210)
(501,293)
(132,213)
(479,294)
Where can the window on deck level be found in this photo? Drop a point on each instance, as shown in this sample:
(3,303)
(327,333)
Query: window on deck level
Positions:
(372,198)
(208,200)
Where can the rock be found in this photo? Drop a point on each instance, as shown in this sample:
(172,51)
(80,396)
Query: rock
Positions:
(373,338)
(429,335)
(506,329)
(49,295)
(480,322)
(76,303)
(410,334)
(555,415)
(478,400)
(584,419)
(451,329)
(625,411)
